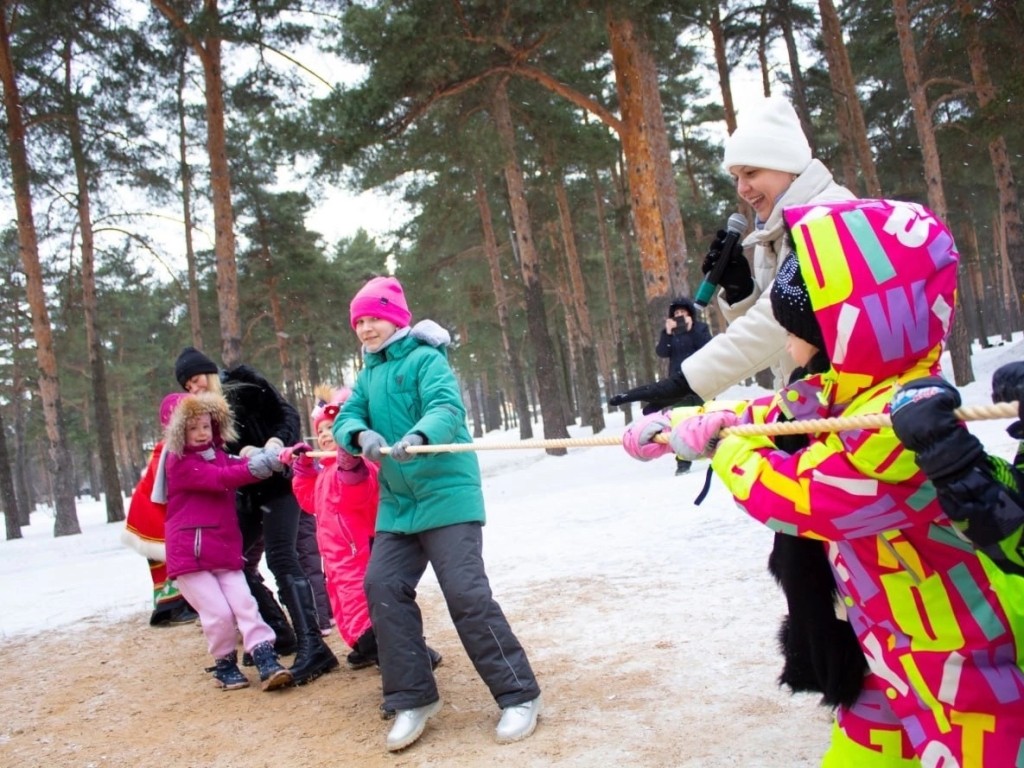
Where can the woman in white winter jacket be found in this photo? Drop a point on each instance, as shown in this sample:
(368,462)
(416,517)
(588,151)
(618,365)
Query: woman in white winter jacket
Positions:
(770,158)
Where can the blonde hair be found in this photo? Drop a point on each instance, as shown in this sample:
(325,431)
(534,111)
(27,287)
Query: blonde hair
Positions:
(213,383)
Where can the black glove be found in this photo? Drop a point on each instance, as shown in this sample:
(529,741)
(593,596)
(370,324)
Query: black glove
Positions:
(1007,386)
(670,390)
(923,419)
(736,280)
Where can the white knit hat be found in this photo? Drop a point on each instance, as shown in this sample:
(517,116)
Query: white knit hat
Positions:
(770,137)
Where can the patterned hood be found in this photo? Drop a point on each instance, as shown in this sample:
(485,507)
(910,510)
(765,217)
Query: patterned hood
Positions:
(881,276)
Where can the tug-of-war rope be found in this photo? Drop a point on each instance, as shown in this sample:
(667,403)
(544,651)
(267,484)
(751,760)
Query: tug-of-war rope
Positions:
(836,424)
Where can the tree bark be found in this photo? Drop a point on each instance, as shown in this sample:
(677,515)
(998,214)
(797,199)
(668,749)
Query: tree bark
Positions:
(208,50)
(185,177)
(722,66)
(60,466)
(588,386)
(958,343)
(832,31)
(103,428)
(1009,201)
(529,265)
(501,300)
(621,372)
(643,181)
(8,499)
(796,77)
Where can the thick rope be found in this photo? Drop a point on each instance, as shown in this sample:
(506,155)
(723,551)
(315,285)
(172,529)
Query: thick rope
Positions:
(836,424)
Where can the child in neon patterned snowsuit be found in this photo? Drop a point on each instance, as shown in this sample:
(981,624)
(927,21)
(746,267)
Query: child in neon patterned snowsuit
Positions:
(941,636)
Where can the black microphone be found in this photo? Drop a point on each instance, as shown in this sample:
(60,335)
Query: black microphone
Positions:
(734,231)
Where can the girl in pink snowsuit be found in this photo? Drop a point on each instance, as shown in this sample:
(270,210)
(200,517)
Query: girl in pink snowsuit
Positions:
(341,491)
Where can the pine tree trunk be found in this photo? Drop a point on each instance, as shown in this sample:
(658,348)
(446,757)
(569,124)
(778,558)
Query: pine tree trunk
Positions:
(1009,202)
(529,264)
(60,465)
(832,43)
(209,52)
(103,429)
(664,171)
(795,74)
(621,372)
(722,67)
(588,386)
(185,177)
(501,304)
(832,30)
(8,499)
(957,342)
(640,170)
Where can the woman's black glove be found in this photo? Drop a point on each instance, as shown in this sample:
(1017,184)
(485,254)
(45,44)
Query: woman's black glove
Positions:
(736,280)
(664,393)
(923,419)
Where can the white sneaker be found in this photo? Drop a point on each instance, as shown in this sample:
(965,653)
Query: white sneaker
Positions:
(409,725)
(518,722)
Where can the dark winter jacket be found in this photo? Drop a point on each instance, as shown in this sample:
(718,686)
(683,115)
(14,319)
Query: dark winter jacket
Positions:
(260,413)
(201,531)
(681,343)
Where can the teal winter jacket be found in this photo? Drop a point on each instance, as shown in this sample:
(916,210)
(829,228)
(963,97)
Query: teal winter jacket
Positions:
(409,387)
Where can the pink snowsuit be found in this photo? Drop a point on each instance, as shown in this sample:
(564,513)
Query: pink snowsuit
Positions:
(345,505)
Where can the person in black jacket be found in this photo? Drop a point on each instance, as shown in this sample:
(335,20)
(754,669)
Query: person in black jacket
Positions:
(267,509)
(683,335)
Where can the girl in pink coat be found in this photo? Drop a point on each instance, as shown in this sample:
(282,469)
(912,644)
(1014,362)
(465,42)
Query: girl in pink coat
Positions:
(198,481)
(341,491)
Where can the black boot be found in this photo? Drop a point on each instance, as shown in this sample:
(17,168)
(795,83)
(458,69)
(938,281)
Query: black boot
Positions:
(313,657)
(364,652)
(272,674)
(285,644)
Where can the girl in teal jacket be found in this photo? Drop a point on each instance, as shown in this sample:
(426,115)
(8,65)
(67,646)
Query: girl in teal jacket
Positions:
(431,511)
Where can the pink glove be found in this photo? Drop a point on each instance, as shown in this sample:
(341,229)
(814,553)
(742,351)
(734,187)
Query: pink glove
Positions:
(638,438)
(697,436)
(295,454)
(346,461)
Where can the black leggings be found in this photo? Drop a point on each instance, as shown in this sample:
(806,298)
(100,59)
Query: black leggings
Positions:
(276,522)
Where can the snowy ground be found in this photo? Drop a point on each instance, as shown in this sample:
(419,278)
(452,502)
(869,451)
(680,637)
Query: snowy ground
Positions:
(630,572)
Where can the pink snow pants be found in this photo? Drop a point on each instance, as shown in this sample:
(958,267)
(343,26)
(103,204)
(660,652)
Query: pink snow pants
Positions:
(223,600)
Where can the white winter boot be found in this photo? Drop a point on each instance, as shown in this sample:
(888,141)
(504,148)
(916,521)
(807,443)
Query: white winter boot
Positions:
(409,725)
(518,721)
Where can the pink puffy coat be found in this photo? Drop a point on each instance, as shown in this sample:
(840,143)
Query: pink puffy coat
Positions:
(345,505)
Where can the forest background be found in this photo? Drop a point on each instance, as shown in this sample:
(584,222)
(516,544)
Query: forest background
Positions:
(559,162)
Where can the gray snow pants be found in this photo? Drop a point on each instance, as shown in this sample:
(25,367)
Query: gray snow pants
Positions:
(397,563)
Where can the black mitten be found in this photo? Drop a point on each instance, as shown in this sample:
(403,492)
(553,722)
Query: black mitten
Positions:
(1007,386)
(923,419)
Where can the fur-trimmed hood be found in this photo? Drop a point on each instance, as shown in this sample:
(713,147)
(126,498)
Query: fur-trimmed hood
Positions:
(196,405)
